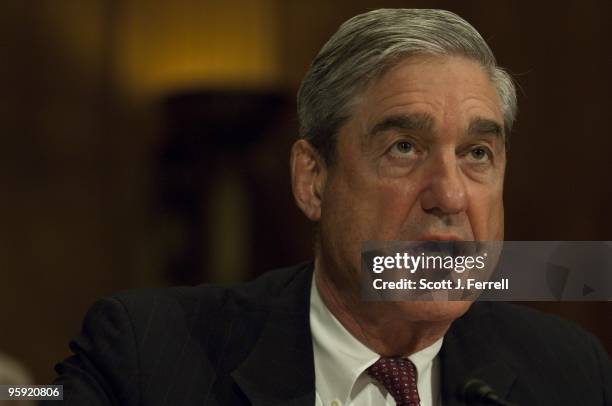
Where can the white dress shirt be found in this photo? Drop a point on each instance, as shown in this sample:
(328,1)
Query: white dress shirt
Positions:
(341,362)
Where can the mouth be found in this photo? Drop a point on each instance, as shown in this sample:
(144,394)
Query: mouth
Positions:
(449,244)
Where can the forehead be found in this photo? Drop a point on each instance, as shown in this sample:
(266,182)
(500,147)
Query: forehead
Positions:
(451,90)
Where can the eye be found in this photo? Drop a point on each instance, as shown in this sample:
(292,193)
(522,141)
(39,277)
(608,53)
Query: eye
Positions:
(479,154)
(402,149)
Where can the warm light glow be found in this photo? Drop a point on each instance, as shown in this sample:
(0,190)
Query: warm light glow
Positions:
(163,45)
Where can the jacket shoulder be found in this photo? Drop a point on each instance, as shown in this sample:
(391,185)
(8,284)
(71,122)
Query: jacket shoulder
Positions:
(142,345)
(189,301)
(520,322)
(538,343)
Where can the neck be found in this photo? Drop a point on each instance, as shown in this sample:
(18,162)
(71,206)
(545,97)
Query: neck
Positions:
(387,328)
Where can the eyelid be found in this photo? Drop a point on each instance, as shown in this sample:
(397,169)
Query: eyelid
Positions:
(407,138)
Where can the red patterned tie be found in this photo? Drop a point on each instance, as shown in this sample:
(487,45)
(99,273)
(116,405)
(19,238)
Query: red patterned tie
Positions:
(399,377)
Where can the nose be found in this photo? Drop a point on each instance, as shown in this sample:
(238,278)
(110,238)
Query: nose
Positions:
(444,192)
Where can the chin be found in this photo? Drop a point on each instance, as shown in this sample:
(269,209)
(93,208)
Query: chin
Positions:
(432,311)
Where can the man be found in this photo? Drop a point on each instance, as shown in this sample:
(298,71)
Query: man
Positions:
(405,119)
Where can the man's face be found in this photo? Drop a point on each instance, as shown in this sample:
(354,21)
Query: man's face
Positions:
(421,158)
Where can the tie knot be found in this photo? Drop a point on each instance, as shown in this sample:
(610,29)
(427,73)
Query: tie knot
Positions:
(399,377)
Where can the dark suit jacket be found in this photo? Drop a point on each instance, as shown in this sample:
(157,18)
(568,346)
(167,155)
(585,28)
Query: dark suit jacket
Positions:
(251,344)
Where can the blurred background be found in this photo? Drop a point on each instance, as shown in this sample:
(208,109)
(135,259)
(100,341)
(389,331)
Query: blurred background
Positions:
(145,143)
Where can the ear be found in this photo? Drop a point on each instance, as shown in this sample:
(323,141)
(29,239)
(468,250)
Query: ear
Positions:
(308,176)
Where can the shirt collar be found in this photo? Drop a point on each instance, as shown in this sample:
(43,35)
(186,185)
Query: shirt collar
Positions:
(340,358)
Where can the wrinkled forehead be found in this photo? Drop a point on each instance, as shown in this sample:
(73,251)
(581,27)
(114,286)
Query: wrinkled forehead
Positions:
(421,92)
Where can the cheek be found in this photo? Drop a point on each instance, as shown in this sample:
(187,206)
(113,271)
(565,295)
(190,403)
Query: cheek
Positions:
(486,214)
(395,201)
(369,208)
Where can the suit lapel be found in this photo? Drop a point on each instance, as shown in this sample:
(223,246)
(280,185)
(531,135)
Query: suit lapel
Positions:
(280,368)
(468,353)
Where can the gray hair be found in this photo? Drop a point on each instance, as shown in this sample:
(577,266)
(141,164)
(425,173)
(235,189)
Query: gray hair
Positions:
(369,44)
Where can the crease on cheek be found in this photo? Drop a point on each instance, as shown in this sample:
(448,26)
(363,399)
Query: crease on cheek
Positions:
(486,218)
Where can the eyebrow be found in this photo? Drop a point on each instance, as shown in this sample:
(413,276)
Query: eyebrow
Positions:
(411,122)
(425,122)
(484,126)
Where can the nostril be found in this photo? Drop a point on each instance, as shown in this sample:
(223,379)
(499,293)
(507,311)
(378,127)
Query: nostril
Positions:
(435,211)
